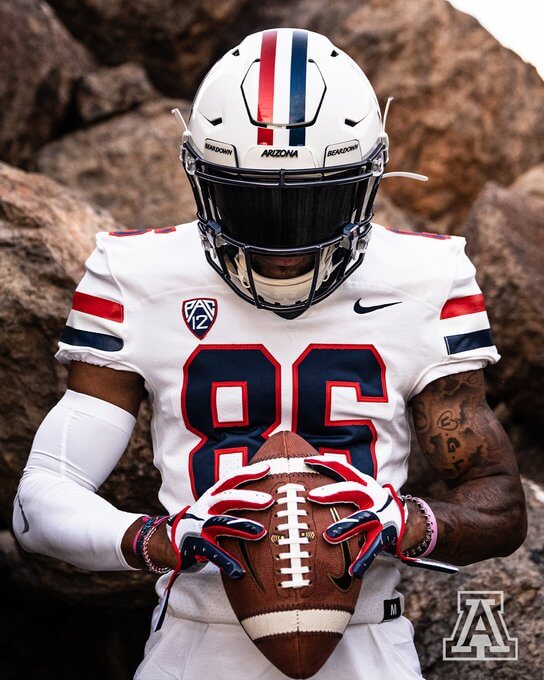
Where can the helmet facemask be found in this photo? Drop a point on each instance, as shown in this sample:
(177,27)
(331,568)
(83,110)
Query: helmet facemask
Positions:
(246,215)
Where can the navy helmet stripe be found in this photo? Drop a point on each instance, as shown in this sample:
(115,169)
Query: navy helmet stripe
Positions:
(106,343)
(297,95)
(467,341)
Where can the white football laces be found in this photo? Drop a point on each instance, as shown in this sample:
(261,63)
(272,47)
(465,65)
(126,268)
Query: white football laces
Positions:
(292,513)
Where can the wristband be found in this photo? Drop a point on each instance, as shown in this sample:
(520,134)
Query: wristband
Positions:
(144,519)
(142,544)
(428,544)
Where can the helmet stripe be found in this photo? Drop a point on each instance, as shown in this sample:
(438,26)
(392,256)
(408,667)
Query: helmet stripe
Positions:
(265,105)
(297,107)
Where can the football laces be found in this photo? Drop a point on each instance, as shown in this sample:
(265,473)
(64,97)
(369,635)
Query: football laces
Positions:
(296,536)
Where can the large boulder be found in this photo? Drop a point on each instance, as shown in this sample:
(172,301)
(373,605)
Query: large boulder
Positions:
(46,233)
(531,182)
(466,110)
(431,604)
(110,91)
(175,41)
(127,164)
(504,232)
(108,163)
(39,63)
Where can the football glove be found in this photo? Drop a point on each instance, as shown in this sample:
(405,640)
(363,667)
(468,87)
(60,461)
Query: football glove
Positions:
(380,518)
(194,531)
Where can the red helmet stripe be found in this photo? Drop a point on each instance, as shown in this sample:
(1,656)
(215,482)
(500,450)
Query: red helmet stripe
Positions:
(265,106)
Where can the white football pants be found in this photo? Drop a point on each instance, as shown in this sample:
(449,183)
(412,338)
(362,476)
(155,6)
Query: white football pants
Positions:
(191,650)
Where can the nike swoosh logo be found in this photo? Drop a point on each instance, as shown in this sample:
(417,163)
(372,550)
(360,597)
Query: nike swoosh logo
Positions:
(344,581)
(249,563)
(26,527)
(359,309)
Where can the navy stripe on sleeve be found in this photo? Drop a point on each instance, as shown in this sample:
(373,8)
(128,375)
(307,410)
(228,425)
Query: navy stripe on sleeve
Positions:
(106,343)
(467,341)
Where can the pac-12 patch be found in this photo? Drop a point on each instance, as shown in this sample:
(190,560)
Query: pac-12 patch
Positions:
(199,315)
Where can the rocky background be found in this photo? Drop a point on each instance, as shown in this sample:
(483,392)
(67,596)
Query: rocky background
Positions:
(88,143)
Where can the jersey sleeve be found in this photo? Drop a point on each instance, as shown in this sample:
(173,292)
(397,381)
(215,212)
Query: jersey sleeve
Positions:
(96,329)
(464,338)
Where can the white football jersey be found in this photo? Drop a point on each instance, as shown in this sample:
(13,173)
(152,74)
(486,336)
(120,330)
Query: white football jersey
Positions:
(223,376)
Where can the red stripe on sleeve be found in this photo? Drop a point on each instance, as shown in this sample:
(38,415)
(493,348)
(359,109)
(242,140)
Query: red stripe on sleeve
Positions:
(265,105)
(469,304)
(97,306)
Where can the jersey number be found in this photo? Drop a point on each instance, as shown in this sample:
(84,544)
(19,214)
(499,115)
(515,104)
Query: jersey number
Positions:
(254,375)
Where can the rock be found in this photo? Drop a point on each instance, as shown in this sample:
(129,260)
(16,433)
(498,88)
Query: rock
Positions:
(101,642)
(531,182)
(109,163)
(174,41)
(127,164)
(46,233)
(528,447)
(39,63)
(45,236)
(112,91)
(42,577)
(504,232)
(466,110)
(431,604)
(390,215)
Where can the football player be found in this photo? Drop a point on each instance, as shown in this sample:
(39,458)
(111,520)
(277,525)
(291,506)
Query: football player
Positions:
(282,307)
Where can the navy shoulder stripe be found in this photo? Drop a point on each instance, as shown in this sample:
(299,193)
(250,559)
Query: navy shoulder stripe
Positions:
(467,341)
(106,343)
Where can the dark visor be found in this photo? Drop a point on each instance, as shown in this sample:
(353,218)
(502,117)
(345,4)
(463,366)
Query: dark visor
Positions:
(283,217)
(283,208)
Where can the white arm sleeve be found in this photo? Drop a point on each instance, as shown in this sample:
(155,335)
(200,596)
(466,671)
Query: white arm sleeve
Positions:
(56,511)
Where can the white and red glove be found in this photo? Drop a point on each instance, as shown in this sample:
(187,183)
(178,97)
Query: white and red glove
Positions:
(380,518)
(194,531)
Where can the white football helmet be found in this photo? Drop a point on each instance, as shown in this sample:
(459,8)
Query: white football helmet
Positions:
(284,150)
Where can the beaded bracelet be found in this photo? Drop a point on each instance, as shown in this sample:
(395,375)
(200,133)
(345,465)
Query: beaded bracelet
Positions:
(428,544)
(141,543)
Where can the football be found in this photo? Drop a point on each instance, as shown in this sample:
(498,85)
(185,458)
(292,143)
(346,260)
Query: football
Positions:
(296,597)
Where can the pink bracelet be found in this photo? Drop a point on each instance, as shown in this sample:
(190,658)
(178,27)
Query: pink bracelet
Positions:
(144,519)
(434,527)
(425,548)
(152,526)
(140,545)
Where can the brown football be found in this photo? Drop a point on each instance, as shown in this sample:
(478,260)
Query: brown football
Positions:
(296,616)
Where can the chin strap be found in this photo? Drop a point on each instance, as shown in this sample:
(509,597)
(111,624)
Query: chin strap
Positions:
(284,291)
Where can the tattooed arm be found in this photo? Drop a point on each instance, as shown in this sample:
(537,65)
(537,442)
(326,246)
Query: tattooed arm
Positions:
(483,513)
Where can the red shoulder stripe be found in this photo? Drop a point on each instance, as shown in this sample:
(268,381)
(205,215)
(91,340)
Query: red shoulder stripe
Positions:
(470,304)
(97,306)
